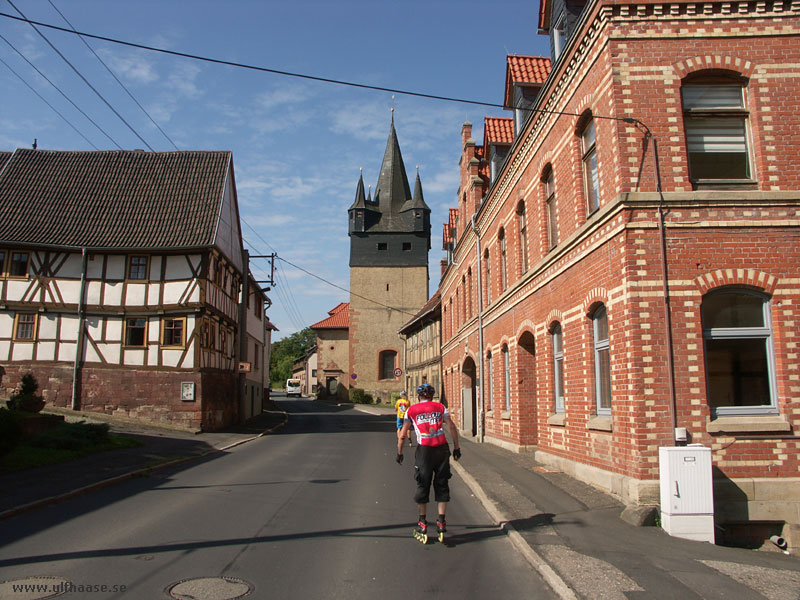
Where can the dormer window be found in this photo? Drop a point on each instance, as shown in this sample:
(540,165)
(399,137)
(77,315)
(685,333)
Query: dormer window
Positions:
(524,99)
(498,156)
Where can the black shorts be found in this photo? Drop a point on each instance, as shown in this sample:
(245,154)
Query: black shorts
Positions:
(432,464)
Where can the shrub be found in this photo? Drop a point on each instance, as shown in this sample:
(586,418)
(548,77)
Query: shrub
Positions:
(72,436)
(26,399)
(359,396)
(10,430)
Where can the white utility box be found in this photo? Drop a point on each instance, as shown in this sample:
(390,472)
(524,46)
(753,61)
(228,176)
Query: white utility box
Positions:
(687,492)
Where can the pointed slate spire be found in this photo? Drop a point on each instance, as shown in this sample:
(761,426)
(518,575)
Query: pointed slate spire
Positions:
(418,201)
(392,189)
(369,195)
(360,200)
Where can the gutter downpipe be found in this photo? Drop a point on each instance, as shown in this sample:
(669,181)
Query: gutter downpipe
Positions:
(81,314)
(665,288)
(481,415)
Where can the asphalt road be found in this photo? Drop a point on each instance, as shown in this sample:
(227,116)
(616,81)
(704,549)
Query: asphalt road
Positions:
(317,510)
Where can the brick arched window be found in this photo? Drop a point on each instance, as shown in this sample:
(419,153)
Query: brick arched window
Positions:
(715,120)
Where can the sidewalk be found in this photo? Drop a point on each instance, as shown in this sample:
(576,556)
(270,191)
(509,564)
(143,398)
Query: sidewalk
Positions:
(161,447)
(573,534)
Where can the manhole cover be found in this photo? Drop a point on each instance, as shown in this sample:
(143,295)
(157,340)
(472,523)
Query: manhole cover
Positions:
(210,588)
(34,588)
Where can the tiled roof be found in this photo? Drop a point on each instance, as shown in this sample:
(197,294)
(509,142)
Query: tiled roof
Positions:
(112,199)
(339,318)
(528,69)
(431,307)
(498,131)
(270,325)
(4,156)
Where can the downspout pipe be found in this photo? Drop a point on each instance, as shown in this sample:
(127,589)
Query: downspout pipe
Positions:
(481,414)
(81,333)
(673,403)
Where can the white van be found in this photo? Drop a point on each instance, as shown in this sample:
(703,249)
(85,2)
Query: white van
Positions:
(292,387)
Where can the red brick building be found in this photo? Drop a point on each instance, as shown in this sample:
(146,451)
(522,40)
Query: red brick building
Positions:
(624,260)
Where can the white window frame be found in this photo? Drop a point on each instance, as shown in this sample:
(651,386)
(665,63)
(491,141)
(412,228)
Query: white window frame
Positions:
(507,377)
(591,172)
(489,376)
(557,334)
(698,111)
(550,206)
(600,346)
(744,333)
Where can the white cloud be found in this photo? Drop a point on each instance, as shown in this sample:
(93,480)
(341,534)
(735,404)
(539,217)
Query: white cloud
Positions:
(130,66)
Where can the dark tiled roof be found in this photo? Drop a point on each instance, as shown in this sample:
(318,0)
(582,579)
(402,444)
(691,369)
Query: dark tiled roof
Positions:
(4,156)
(112,199)
(339,318)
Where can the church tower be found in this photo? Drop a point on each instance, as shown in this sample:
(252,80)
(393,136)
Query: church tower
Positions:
(390,236)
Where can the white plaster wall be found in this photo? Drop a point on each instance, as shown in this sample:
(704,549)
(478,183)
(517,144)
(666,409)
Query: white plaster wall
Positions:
(113,294)
(173,290)
(111,352)
(152,293)
(5,346)
(115,267)
(170,358)
(66,352)
(47,327)
(94,267)
(228,238)
(93,289)
(94,327)
(22,352)
(15,289)
(135,294)
(178,268)
(69,328)
(46,351)
(153,329)
(114,328)
(71,269)
(134,357)
(155,267)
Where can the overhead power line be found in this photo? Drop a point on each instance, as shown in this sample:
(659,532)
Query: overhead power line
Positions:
(354,84)
(86,81)
(122,85)
(58,89)
(53,108)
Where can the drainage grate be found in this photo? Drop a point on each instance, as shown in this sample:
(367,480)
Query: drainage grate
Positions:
(209,588)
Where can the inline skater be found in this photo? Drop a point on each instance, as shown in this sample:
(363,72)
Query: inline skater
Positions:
(431,459)
(401,406)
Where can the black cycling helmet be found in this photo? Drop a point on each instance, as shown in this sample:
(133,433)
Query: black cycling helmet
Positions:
(425,391)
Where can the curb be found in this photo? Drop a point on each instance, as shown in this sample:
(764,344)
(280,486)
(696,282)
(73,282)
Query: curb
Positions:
(12,512)
(553,579)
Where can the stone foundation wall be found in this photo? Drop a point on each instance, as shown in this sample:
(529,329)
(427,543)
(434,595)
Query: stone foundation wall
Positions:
(148,395)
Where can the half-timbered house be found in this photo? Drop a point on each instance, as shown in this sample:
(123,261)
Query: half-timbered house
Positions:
(120,282)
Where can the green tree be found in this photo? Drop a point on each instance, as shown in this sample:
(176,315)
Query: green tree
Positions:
(286,352)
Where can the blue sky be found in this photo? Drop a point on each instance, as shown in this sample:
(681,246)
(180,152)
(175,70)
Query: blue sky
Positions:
(297,144)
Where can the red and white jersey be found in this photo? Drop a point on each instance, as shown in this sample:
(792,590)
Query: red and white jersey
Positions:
(428,419)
